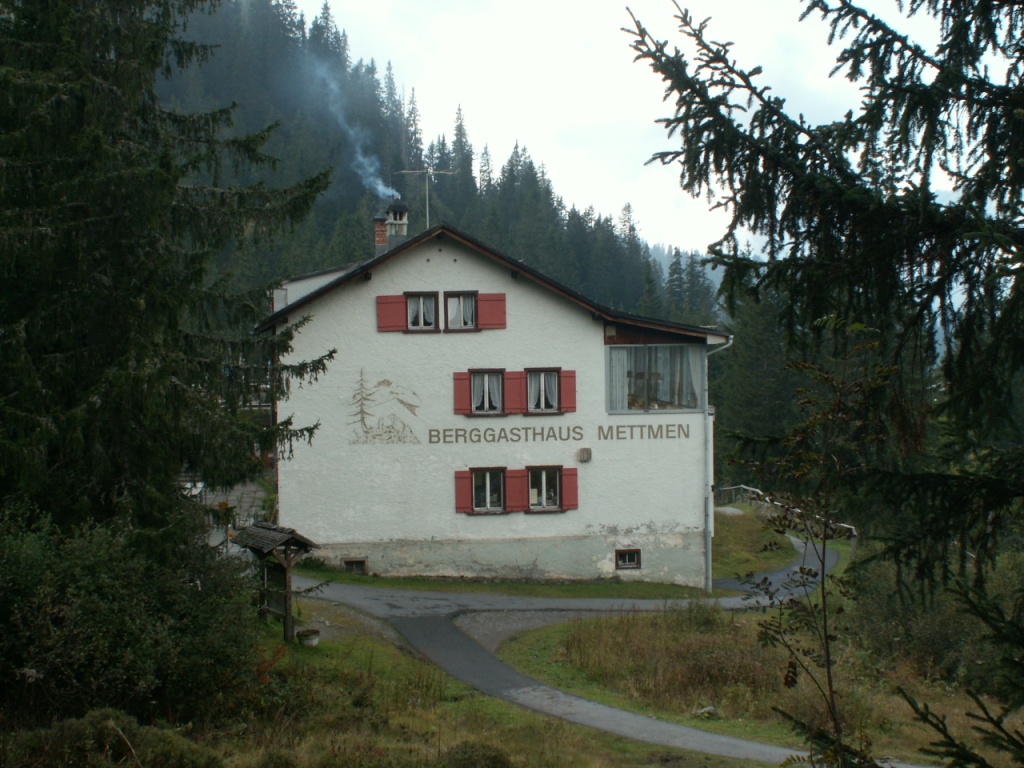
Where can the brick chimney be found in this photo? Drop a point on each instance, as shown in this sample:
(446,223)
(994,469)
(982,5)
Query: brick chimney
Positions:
(380,233)
(391,228)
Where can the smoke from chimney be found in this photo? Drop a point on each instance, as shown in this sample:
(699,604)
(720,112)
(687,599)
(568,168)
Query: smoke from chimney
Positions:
(365,164)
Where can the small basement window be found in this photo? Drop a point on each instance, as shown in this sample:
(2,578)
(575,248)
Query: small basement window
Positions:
(626,559)
(355,566)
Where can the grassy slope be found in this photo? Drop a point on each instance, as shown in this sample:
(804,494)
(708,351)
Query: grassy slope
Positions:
(358,700)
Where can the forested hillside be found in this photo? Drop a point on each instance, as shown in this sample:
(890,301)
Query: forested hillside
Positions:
(352,117)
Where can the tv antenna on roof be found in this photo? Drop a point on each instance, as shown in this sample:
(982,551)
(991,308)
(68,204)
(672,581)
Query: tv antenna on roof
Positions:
(427,173)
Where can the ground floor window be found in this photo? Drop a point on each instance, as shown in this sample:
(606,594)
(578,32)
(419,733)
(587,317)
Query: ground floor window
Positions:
(488,490)
(544,488)
(626,559)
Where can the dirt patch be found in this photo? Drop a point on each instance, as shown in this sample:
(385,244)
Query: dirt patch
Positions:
(337,621)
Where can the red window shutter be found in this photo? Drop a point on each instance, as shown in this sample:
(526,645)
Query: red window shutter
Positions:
(464,491)
(391,313)
(490,310)
(567,391)
(570,489)
(515,391)
(517,490)
(463,398)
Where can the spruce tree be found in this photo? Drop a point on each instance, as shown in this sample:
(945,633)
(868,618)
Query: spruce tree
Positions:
(125,366)
(674,288)
(859,232)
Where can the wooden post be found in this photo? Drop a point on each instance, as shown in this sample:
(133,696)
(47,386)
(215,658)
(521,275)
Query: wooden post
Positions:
(286,561)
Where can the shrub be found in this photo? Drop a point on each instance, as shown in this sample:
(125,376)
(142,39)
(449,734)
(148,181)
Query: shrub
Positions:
(105,737)
(150,622)
(929,632)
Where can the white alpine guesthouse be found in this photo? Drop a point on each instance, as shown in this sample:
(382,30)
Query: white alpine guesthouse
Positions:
(480,419)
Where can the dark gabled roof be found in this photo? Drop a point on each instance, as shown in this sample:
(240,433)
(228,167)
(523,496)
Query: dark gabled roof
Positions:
(263,538)
(443,230)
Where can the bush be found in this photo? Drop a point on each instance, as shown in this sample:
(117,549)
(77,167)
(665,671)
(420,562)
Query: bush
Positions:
(154,623)
(929,632)
(102,738)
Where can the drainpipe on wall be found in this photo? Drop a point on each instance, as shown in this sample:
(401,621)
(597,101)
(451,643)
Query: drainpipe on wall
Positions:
(709,470)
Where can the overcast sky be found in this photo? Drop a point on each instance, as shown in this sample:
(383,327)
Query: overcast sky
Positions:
(558,77)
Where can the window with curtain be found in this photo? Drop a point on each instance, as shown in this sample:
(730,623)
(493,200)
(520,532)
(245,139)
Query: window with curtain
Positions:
(422,311)
(489,490)
(542,391)
(655,377)
(486,391)
(461,311)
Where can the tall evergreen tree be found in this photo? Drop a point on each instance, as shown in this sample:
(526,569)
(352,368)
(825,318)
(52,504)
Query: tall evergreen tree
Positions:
(674,287)
(699,305)
(651,303)
(462,189)
(123,365)
(414,134)
(858,235)
(324,40)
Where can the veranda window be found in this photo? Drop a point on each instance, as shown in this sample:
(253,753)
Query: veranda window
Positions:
(655,377)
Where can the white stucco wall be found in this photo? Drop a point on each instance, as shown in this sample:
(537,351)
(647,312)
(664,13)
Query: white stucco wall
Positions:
(394,504)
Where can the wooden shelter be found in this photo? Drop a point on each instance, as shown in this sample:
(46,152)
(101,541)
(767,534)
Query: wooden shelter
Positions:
(277,548)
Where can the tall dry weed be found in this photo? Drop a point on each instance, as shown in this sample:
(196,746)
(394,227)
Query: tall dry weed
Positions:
(679,659)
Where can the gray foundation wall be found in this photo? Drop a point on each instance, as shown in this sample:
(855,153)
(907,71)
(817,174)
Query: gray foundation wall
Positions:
(676,558)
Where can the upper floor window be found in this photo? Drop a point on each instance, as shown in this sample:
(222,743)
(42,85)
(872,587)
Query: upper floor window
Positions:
(421,311)
(534,392)
(655,377)
(542,391)
(460,311)
(486,391)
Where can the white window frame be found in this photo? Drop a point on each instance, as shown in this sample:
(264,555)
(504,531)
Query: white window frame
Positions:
(482,389)
(543,390)
(458,299)
(544,476)
(488,476)
(420,325)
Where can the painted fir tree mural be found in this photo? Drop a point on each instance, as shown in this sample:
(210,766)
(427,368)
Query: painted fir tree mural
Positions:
(379,411)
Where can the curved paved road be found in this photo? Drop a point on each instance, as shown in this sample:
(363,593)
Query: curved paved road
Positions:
(427,620)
